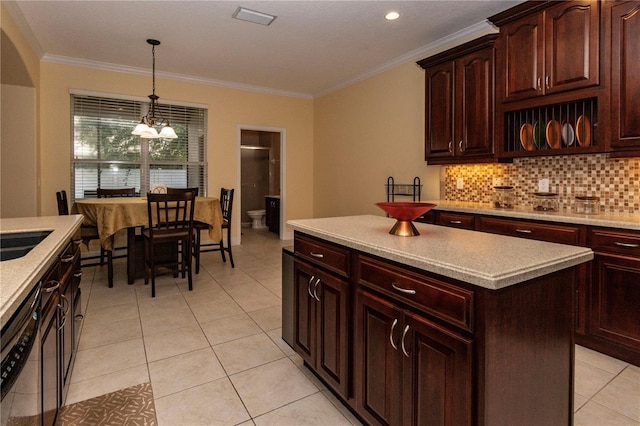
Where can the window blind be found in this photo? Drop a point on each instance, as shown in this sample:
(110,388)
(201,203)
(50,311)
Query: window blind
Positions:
(105,154)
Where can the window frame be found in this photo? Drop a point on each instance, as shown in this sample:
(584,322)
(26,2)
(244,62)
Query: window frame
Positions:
(195,143)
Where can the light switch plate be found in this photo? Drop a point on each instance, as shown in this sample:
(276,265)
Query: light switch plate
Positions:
(543,185)
(459,183)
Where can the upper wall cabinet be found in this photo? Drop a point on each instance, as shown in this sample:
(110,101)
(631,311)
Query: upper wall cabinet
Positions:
(625,76)
(459,103)
(552,50)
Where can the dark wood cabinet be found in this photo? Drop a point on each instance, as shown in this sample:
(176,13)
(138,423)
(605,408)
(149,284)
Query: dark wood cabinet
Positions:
(553,233)
(455,220)
(614,320)
(321,331)
(549,51)
(272,216)
(459,103)
(409,370)
(50,347)
(625,76)
(60,300)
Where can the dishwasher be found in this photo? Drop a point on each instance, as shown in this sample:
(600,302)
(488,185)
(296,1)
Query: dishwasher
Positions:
(287,295)
(20,375)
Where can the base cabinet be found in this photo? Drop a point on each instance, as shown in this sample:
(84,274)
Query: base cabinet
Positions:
(402,346)
(409,370)
(321,323)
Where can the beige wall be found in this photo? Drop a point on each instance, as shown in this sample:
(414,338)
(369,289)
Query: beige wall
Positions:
(365,133)
(18,169)
(228,109)
(19,124)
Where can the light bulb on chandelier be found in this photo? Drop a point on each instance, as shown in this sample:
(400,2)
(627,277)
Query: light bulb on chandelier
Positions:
(146,127)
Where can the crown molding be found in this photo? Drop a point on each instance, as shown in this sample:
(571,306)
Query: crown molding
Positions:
(106,66)
(25,29)
(467,34)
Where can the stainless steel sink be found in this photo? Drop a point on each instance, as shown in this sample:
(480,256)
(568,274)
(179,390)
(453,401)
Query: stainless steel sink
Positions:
(17,244)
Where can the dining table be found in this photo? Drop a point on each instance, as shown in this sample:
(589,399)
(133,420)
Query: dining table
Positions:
(111,215)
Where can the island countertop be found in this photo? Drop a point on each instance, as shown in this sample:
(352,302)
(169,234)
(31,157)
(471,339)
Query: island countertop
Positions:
(487,260)
(18,276)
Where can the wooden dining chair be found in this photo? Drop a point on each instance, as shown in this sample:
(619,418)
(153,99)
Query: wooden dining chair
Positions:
(226,206)
(170,226)
(113,193)
(87,232)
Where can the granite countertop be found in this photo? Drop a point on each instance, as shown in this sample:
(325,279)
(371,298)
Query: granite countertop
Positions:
(609,220)
(487,260)
(18,276)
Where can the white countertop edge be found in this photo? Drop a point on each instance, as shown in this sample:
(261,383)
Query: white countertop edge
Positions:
(18,276)
(629,221)
(511,276)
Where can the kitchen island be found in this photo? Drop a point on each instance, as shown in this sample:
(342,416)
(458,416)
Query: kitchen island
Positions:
(449,327)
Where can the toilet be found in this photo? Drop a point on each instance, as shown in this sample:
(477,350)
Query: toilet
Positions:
(258,218)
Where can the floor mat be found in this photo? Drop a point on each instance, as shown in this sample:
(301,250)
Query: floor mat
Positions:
(130,406)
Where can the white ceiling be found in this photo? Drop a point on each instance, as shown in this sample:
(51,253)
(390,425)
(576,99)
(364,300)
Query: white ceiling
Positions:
(312,48)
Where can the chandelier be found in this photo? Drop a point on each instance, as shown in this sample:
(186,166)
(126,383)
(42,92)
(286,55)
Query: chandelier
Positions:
(146,127)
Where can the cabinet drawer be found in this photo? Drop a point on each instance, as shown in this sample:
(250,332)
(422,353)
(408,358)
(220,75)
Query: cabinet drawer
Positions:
(451,304)
(330,256)
(563,234)
(455,220)
(625,243)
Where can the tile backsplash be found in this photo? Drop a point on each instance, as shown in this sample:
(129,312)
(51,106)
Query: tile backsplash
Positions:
(615,180)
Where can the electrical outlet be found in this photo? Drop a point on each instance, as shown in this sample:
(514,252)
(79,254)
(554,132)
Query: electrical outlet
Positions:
(459,183)
(497,181)
(543,185)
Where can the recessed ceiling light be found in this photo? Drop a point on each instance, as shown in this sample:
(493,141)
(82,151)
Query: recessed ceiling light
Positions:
(392,16)
(253,16)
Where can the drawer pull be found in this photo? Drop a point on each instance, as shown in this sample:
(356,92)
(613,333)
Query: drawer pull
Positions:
(627,245)
(77,274)
(67,258)
(523,231)
(315,290)
(393,326)
(318,255)
(404,334)
(456,222)
(404,290)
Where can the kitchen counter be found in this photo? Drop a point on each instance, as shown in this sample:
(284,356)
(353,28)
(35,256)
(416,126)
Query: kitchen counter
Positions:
(18,276)
(608,220)
(487,260)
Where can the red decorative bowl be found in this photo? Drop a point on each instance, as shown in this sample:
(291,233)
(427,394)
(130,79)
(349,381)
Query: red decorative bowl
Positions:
(404,213)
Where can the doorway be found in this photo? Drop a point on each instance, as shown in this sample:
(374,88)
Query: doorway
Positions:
(261,172)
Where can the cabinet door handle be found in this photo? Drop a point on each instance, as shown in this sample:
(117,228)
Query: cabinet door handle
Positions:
(64,315)
(546,81)
(538,84)
(77,274)
(523,231)
(309,285)
(51,287)
(393,326)
(627,245)
(461,146)
(404,334)
(315,290)
(404,290)
(451,146)
(456,222)
(318,255)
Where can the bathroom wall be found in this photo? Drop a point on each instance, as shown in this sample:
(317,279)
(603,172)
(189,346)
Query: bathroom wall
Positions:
(615,180)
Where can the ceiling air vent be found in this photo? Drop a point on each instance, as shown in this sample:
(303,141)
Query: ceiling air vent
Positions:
(253,16)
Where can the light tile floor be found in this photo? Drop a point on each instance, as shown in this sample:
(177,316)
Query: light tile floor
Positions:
(215,356)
